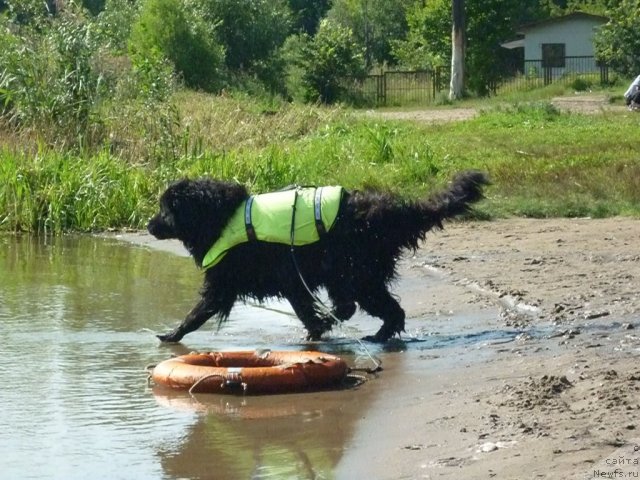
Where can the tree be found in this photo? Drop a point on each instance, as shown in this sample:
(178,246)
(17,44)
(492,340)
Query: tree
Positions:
(374,23)
(617,43)
(165,26)
(28,12)
(326,59)
(307,14)
(114,24)
(250,30)
(428,41)
(94,6)
(488,24)
(457,49)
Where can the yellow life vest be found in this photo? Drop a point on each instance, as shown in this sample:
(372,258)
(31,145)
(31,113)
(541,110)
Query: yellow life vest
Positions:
(268,217)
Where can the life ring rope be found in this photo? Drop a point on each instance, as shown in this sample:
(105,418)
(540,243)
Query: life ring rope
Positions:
(202,379)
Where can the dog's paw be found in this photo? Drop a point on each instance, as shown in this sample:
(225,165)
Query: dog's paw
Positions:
(171,337)
(375,338)
(321,327)
(314,336)
(383,335)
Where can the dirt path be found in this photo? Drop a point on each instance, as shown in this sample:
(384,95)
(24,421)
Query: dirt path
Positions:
(579,103)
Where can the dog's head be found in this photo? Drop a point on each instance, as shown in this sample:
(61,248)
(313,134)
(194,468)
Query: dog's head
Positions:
(195,211)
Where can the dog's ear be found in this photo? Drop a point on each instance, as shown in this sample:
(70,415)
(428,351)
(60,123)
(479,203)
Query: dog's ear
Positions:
(204,204)
(177,193)
(184,195)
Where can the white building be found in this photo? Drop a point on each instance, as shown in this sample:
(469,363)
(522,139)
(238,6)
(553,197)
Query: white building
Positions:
(559,45)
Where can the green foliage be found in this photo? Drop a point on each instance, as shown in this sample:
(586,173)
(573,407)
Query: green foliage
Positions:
(374,23)
(166,27)
(618,41)
(94,6)
(489,24)
(428,42)
(28,12)
(251,31)
(307,14)
(113,24)
(61,86)
(56,193)
(581,84)
(327,59)
(594,7)
(49,81)
(293,56)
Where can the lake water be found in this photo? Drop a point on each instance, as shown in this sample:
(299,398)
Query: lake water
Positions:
(78,316)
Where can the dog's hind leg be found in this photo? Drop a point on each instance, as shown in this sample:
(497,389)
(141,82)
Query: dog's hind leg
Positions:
(379,303)
(208,306)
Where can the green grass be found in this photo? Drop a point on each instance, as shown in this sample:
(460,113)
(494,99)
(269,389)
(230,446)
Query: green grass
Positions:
(542,162)
(546,163)
(52,192)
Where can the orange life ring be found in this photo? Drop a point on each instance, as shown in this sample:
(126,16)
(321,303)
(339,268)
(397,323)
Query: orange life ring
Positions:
(250,372)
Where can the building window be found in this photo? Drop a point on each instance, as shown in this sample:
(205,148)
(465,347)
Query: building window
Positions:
(553,55)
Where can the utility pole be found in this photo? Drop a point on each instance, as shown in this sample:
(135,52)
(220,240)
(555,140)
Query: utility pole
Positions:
(367,34)
(457,49)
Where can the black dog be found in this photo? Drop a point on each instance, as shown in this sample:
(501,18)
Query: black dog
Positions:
(354,261)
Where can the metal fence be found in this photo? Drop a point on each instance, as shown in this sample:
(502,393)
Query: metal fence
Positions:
(395,88)
(580,71)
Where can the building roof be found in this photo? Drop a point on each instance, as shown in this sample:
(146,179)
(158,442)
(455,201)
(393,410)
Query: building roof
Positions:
(550,21)
(518,42)
(515,43)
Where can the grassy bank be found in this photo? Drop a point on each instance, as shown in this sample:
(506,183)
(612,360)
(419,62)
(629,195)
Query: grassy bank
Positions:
(542,162)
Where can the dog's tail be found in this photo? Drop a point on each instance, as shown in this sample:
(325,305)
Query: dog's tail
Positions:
(386,221)
(465,189)
(413,220)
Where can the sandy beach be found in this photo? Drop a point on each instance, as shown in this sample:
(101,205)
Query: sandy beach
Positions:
(561,400)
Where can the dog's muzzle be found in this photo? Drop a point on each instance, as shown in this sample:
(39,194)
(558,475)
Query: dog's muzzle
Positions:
(159,228)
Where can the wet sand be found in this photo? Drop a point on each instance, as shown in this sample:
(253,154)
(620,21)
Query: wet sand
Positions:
(534,371)
(560,401)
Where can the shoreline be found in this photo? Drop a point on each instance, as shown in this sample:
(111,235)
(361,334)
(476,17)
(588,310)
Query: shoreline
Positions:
(554,397)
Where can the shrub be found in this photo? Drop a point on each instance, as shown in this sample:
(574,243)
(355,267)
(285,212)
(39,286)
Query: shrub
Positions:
(327,59)
(48,79)
(580,84)
(166,27)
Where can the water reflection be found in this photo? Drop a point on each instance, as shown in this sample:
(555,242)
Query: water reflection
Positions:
(283,436)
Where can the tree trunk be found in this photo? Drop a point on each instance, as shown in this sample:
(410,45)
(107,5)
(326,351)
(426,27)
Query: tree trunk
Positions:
(457,50)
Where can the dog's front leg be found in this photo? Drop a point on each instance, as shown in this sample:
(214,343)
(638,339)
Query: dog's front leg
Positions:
(304,308)
(203,311)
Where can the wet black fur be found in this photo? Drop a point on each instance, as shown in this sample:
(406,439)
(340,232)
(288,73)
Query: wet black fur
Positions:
(355,261)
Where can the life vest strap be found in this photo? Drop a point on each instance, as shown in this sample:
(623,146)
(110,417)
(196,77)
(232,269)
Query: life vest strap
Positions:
(317,212)
(248,225)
